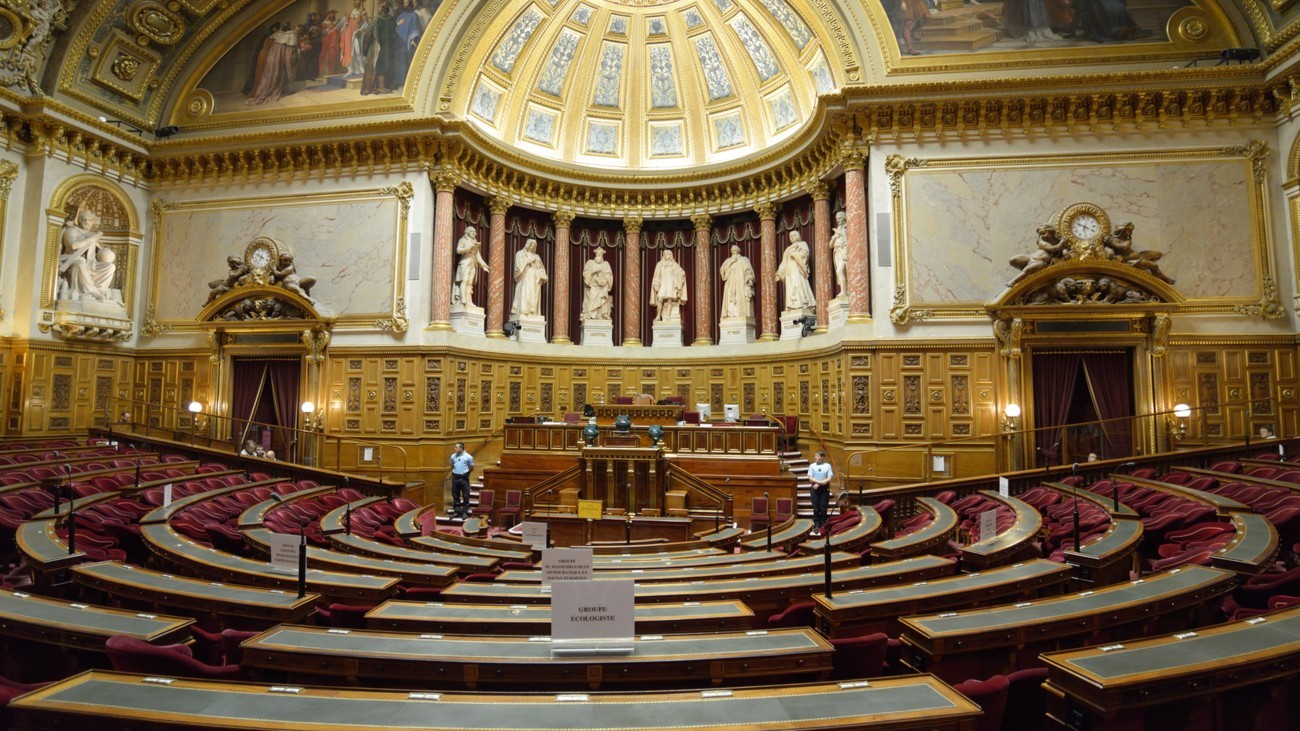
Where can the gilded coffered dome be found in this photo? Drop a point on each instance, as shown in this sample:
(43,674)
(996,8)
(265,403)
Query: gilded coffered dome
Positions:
(645,84)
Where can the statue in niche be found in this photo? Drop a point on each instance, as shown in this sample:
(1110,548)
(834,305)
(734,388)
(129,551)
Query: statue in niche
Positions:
(668,288)
(232,279)
(1050,249)
(840,252)
(793,273)
(530,275)
(1119,245)
(737,285)
(467,268)
(86,266)
(598,279)
(286,275)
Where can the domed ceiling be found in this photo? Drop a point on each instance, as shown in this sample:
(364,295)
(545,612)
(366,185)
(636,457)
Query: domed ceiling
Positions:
(646,84)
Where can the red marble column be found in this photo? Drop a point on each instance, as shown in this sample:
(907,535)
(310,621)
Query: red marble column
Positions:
(859,262)
(560,278)
(822,283)
(632,281)
(445,183)
(703,293)
(767,272)
(496,304)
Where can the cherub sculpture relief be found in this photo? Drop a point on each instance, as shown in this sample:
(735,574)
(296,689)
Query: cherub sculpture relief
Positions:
(286,275)
(231,280)
(1050,249)
(1119,245)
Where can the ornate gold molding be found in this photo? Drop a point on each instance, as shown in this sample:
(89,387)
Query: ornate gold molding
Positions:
(702,221)
(500,204)
(563,219)
(633,224)
(766,211)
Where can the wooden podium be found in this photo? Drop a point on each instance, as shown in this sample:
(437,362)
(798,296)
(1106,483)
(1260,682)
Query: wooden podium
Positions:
(629,478)
(641,415)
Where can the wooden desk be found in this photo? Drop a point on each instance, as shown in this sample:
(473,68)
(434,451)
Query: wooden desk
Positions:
(108,701)
(1011,544)
(879,609)
(764,595)
(535,619)
(1228,672)
(366,657)
(570,530)
(978,643)
(248,606)
(783,536)
(640,414)
(641,574)
(411,572)
(929,538)
(82,626)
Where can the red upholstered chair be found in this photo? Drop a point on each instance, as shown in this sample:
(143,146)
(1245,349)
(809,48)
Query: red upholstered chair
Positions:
(784,510)
(758,513)
(790,433)
(799,614)
(623,400)
(691,417)
(486,498)
(859,657)
(514,503)
(9,690)
(131,655)
(231,639)
(347,616)
(1026,706)
(207,646)
(991,695)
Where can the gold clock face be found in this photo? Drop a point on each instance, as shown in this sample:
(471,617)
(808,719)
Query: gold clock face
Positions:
(261,255)
(1085,226)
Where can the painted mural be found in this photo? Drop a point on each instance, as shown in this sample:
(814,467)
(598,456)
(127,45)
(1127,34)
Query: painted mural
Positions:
(321,52)
(926,27)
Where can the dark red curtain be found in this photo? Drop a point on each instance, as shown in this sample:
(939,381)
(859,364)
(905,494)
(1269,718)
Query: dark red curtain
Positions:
(247,379)
(1108,376)
(283,378)
(265,390)
(1054,379)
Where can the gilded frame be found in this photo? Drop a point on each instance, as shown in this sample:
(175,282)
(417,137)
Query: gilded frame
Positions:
(1264,302)
(394,320)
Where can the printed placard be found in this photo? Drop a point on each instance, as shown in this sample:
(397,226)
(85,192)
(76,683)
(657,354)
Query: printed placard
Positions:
(590,509)
(1004,487)
(566,564)
(988,525)
(167,494)
(533,533)
(284,552)
(593,610)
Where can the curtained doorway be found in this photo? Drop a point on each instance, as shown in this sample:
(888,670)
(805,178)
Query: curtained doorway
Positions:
(264,402)
(1093,392)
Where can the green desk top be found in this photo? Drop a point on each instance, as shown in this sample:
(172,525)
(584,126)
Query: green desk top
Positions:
(795,530)
(534,613)
(1247,641)
(353,563)
(112,572)
(798,564)
(1153,589)
(289,639)
(1253,545)
(945,521)
(676,558)
(860,533)
(358,544)
(1028,522)
(39,542)
(962,583)
(167,542)
(438,543)
(716,589)
(116,700)
(22,609)
(1122,534)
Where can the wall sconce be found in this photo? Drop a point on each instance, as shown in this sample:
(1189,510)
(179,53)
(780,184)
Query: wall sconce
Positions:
(1011,418)
(1178,424)
(196,410)
(311,420)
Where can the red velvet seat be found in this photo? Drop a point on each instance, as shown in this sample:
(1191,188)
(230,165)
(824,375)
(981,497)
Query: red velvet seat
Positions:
(758,513)
(347,616)
(991,695)
(131,655)
(514,504)
(799,614)
(1026,708)
(486,498)
(859,657)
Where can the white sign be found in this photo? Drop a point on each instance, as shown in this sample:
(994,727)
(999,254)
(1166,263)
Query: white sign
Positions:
(167,494)
(1004,487)
(988,525)
(939,464)
(284,552)
(367,454)
(566,564)
(533,533)
(590,610)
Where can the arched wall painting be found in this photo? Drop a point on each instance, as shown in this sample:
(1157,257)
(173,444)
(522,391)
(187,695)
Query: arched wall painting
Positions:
(321,52)
(928,27)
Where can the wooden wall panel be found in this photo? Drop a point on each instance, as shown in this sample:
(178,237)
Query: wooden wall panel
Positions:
(1233,386)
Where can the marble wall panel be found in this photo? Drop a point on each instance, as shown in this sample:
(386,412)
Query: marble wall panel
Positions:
(963,226)
(348,245)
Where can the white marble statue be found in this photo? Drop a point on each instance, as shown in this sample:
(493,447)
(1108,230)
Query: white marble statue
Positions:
(668,288)
(793,273)
(530,275)
(598,281)
(840,252)
(86,266)
(467,268)
(737,285)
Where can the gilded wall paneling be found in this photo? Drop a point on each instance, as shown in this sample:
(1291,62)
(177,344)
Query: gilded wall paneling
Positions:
(1240,233)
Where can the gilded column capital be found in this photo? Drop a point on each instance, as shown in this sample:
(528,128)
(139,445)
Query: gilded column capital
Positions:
(853,160)
(766,211)
(702,221)
(563,219)
(633,224)
(819,190)
(445,180)
(500,204)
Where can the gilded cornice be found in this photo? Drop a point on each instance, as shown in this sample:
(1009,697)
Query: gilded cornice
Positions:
(563,219)
(702,222)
